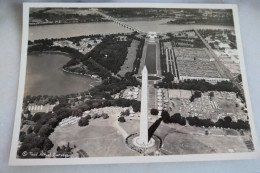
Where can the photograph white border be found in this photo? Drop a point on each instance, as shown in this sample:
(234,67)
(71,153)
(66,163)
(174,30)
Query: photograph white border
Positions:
(13,160)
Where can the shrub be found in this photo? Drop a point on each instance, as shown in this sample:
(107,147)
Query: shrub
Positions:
(165,116)
(154,111)
(228,119)
(84,121)
(196,94)
(105,116)
(88,117)
(176,118)
(136,106)
(121,119)
(127,112)
(182,121)
(96,116)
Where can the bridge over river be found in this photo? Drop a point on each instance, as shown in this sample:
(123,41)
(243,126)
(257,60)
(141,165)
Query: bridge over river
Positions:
(133,29)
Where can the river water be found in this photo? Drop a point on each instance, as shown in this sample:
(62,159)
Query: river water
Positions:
(44,75)
(78,29)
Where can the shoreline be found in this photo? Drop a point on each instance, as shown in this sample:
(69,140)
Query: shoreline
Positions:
(52,52)
(62,68)
(199,24)
(89,75)
(43,24)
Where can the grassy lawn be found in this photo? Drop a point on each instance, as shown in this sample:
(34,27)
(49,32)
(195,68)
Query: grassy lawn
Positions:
(222,144)
(173,93)
(191,140)
(98,139)
(130,58)
(179,143)
(131,126)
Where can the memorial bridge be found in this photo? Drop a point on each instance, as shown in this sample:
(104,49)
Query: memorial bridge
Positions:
(133,29)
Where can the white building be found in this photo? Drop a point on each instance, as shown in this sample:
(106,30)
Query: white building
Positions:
(207,79)
(152,36)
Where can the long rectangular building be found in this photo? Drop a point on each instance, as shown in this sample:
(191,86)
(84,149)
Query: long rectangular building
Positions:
(199,70)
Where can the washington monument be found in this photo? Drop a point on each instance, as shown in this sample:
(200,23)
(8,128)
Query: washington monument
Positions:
(143,138)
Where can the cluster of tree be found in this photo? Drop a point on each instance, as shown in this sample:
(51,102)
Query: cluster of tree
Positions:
(121,119)
(111,52)
(139,12)
(45,123)
(57,18)
(196,94)
(84,121)
(226,122)
(95,68)
(125,113)
(40,99)
(154,111)
(121,102)
(200,85)
(211,95)
(77,39)
(105,116)
(239,78)
(139,53)
(168,77)
(45,99)
(175,118)
(33,143)
(218,20)
(64,151)
(112,86)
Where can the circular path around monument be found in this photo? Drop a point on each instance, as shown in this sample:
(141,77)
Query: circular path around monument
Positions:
(154,145)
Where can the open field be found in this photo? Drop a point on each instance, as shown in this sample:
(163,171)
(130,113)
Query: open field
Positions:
(130,58)
(98,139)
(192,140)
(179,143)
(174,93)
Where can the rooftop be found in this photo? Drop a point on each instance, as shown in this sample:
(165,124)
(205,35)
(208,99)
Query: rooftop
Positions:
(197,68)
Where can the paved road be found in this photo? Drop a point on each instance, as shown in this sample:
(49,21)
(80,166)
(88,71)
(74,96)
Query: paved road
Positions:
(220,66)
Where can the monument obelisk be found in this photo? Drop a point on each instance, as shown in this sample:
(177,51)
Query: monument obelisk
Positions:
(143,138)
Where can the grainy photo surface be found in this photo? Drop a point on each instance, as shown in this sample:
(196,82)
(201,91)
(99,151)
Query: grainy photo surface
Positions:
(113,82)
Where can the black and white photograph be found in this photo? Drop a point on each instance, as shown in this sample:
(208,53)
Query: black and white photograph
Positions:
(131,83)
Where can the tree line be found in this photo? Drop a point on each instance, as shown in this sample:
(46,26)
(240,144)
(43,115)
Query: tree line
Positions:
(226,122)
(200,85)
